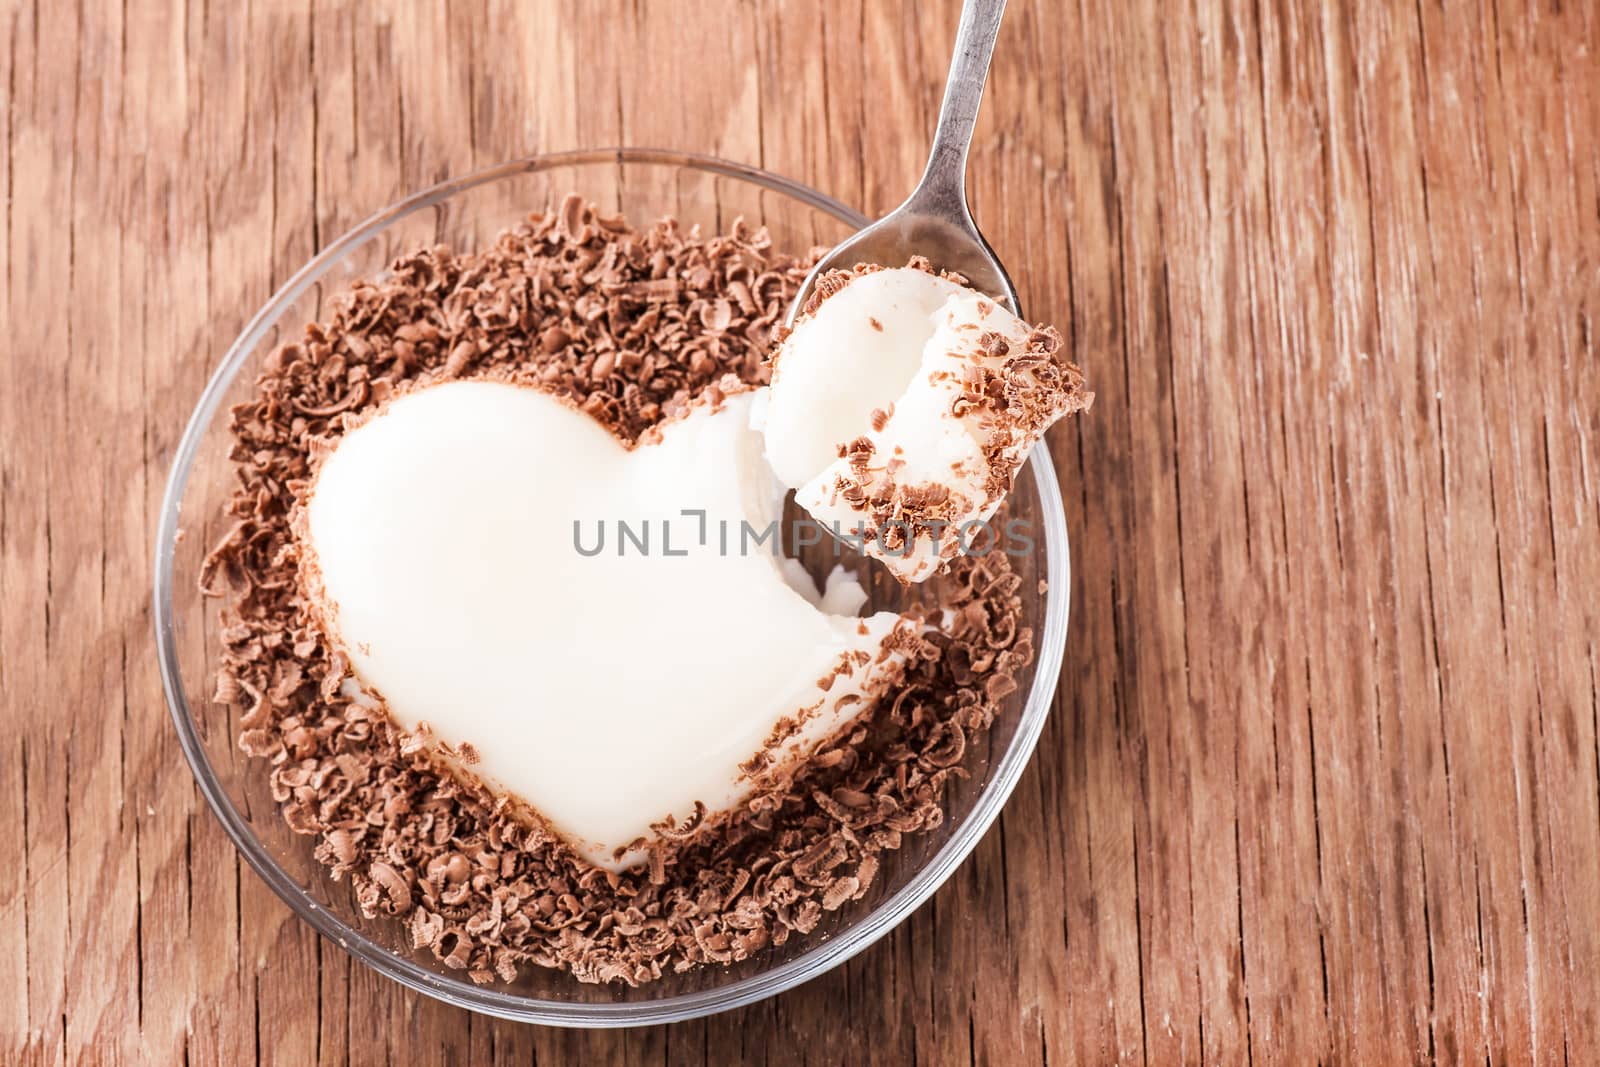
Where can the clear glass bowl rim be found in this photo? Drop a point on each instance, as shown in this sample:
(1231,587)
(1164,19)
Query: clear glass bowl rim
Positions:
(822,957)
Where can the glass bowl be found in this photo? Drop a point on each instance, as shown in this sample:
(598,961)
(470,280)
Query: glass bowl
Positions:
(466,214)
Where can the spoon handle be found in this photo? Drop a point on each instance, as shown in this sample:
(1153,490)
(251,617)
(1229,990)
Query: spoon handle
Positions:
(943,188)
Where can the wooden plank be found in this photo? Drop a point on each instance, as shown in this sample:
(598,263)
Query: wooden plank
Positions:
(159,243)
(1323,779)
(42,122)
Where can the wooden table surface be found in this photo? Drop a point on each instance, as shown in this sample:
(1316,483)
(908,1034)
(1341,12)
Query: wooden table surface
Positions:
(1321,783)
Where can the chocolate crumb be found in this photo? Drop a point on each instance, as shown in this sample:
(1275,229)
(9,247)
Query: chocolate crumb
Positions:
(633,327)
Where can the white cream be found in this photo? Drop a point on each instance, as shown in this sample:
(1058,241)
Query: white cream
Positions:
(856,352)
(609,691)
(923,437)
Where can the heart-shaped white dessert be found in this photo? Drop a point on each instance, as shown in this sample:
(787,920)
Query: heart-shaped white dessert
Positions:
(449,547)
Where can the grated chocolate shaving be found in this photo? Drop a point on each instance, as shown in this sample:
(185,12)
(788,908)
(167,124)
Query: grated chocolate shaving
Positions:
(632,327)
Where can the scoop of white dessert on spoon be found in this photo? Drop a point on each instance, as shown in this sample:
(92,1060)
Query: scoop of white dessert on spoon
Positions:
(903,405)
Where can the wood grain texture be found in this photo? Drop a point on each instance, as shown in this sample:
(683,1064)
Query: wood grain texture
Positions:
(1323,780)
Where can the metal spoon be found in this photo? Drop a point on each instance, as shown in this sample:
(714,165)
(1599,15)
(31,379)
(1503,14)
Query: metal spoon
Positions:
(935,221)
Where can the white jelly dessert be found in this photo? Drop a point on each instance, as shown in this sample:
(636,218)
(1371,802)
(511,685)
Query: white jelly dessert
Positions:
(615,686)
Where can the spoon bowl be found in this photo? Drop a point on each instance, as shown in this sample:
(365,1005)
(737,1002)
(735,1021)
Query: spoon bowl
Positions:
(950,243)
